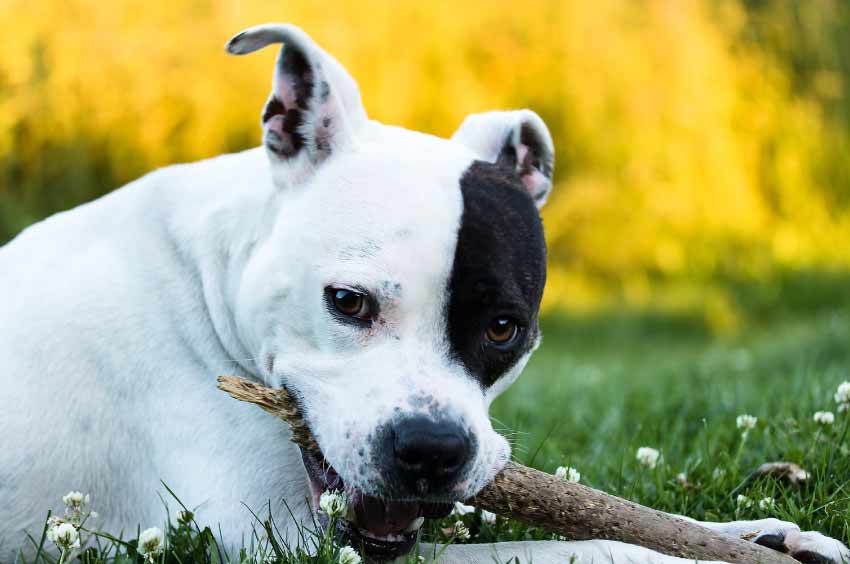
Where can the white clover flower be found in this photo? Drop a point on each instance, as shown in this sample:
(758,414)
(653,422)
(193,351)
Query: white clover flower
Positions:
(461,509)
(75,506)
(460,531)
(150,543)
(743,502)
(746,422)
(842,396)
(568,473)
(75,499)
(767,504)
(488,517)
(648,457)
(348,555)
(334,504)
(824,418)
(65,536)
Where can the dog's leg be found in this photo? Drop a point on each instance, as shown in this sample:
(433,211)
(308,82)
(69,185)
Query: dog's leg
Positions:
(549,552)
(806,546)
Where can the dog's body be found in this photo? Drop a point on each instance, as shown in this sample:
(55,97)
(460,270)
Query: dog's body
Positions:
(389,279)
(114,322)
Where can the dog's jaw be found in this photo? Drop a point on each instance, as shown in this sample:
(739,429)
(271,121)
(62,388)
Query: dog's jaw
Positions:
(385,516)
(381,529)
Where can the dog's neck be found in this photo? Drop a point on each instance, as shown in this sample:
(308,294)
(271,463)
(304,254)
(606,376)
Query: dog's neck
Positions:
(215,234)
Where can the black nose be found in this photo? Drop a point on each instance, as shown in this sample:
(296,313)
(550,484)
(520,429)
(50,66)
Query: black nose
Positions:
(429,455)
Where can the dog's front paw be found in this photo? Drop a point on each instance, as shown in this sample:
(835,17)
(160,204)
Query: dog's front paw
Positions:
(808,547)
(815,548)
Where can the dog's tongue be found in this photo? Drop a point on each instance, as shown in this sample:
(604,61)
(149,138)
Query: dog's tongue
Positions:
(382,518)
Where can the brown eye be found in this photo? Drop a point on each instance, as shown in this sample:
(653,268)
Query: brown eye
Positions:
(351,303)
(501,331)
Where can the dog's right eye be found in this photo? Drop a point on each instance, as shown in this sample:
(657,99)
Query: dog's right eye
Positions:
(350,303)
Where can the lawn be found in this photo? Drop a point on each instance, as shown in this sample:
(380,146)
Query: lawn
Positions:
(596,392)
(600,387)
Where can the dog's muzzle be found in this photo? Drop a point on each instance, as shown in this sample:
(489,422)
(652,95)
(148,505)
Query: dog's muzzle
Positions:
(420,462)
(424,458)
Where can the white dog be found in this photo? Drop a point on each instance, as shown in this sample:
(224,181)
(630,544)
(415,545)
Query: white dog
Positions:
(389,279)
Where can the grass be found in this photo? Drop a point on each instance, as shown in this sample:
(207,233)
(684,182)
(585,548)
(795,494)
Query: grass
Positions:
(598,389)
(608,394)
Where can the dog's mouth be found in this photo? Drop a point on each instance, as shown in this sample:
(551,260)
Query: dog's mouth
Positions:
(381,529)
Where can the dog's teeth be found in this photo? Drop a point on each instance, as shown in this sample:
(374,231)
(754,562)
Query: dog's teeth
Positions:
(387,538)
(415,525)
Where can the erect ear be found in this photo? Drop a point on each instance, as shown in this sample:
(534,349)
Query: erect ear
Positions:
(314,109)
(518,139)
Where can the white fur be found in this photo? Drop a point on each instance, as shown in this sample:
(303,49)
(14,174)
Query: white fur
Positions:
(117,316)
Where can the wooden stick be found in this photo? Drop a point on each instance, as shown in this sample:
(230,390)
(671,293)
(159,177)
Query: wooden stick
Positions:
(554,504)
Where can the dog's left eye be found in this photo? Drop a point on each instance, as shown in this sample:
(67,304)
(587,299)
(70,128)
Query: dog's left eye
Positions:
(350,303)
(502,331)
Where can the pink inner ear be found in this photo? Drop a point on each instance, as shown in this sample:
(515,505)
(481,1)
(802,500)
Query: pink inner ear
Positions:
(277,138)
(521,154)
(535,183)
(285,90)
(275,124)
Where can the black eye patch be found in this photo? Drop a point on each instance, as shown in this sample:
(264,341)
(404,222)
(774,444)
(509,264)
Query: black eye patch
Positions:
(499,269)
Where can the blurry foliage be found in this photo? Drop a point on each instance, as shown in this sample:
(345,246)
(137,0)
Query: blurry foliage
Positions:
(702,145)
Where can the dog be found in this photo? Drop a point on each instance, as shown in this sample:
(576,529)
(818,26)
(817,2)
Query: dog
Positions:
(390,280)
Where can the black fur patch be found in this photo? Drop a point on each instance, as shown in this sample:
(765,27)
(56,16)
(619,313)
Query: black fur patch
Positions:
(808,557)
(296,69)
(499,269)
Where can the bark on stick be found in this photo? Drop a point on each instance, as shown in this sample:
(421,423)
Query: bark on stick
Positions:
(554,504)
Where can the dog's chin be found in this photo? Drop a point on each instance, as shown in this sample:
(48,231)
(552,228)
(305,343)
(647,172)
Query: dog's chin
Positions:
(381,529)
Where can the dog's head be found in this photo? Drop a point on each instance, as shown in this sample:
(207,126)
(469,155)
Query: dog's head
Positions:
(397,292)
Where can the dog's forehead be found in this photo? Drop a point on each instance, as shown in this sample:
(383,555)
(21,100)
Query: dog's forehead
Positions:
(392,209)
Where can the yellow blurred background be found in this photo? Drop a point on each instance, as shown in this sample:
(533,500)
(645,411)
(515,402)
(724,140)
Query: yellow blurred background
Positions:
(703,147)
